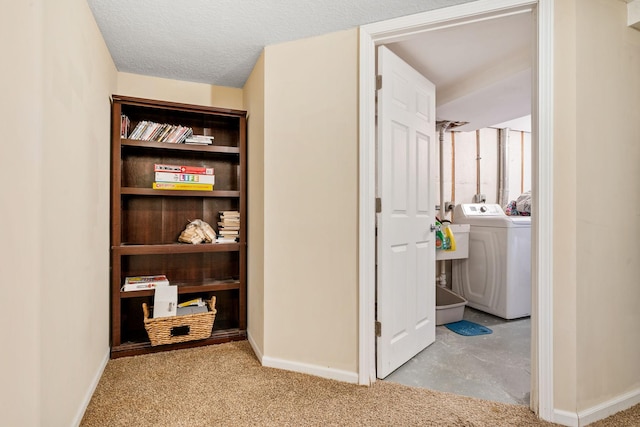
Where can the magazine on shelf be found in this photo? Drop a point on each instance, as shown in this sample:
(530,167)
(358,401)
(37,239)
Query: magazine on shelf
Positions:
(141,283)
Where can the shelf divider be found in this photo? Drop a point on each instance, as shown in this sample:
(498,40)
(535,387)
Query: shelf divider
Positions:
(180,147)
(137,191)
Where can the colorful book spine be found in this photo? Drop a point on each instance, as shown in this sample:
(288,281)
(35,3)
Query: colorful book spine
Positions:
(199,170)
(185,177)
(182,186)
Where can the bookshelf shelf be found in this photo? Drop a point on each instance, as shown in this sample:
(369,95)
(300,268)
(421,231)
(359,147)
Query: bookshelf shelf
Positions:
(146,223)
(133,348)
(177,193)
(179,147)
(190,288)
(177,248)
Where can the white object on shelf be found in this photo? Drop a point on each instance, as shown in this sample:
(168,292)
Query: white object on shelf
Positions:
(165,301)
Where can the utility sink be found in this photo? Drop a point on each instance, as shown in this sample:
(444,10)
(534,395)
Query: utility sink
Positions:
(461,234)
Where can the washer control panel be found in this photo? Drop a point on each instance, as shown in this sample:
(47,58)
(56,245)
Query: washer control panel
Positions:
(482,209)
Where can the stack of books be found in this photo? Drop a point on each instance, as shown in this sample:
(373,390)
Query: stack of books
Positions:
(228,227)
(152,131)
(176,177)
(143,283)
(199,140)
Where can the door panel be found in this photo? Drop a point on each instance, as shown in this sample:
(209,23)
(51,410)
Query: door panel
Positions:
(405,185)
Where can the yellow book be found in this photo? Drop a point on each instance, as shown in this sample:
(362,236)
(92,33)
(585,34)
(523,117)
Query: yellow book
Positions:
(182,186)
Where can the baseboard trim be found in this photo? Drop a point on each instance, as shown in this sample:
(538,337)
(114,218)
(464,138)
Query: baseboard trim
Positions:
(610,407)
(598,412)
(305,368)
(254,347)
(92,388)
(565,418)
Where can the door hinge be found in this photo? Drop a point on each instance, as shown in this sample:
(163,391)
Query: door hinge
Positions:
(378,205)
(378,82)
(378,329)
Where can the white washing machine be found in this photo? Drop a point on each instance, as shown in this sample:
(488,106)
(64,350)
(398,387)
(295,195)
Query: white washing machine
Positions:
(496,278)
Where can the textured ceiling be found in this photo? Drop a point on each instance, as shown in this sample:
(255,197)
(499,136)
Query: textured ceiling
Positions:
(218,41)
(482,70)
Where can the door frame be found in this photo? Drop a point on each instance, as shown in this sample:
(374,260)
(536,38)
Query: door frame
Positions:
(372,35)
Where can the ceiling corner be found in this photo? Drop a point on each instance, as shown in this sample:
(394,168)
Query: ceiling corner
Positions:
(633,14)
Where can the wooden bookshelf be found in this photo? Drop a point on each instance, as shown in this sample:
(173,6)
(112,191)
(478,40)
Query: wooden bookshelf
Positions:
(146,223)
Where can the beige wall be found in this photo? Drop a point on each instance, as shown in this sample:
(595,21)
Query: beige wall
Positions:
(179,91)
(55,244)
(254,102)
(21,38)
(596,175)
(310,201)
(302,225)
(608,165)
(564,202)
(78,77)
(56,236)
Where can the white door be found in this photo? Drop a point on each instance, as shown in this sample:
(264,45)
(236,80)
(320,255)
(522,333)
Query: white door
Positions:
(405,292)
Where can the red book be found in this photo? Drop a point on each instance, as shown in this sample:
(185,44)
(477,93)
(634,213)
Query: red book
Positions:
(199,170)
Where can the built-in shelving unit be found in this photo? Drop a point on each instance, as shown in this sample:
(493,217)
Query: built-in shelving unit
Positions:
(146,223)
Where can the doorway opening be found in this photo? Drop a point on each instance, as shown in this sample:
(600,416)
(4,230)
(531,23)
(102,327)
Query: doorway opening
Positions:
(404,28)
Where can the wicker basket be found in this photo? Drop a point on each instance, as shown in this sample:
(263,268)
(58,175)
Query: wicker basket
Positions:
(175,329)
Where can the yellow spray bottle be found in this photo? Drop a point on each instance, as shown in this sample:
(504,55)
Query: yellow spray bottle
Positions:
(448,235)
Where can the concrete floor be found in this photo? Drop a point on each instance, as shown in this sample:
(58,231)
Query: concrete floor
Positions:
(495,367)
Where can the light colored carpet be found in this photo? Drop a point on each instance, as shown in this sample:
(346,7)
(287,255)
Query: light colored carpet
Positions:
(225,385)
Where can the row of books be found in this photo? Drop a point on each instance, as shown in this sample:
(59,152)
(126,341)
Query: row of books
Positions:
(177,177)
(147,130)
(152,131)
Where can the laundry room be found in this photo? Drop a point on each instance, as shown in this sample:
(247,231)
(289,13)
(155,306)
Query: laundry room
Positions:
(483,275)
(490,165)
